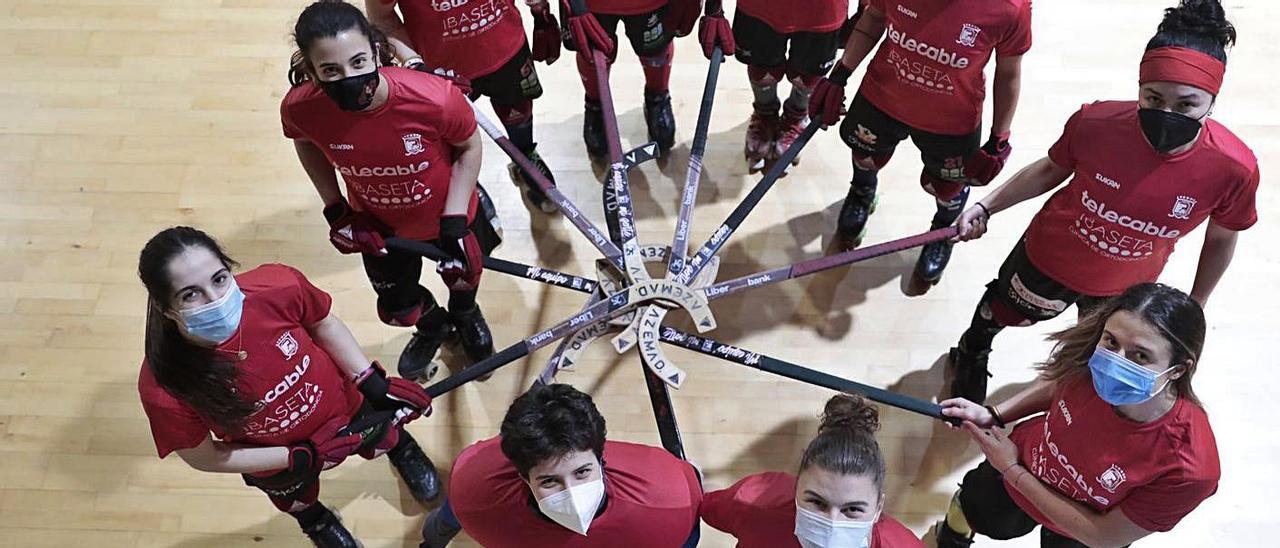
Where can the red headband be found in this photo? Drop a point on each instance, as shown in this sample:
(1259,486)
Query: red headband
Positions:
(1184,66)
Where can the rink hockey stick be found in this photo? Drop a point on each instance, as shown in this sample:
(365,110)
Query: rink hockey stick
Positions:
(827,262)
(659,393)
(580,221)
(536,273)
(731,353)
(623,219)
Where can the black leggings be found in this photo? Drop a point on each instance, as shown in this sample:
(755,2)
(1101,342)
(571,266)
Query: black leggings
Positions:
(991,512)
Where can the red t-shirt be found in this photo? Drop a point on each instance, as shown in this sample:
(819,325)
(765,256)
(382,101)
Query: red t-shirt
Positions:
(624,7)
(760,511)
(474,37)
(1155,473)
(652,500)
(784,18)
(296,385)
(397,160)
(927,72)
(1116,222)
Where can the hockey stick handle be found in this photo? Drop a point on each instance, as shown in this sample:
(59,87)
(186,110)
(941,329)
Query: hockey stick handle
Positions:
(535,273)
(819,264)
(567,207)
(789,370)
(689,196)
(739,214)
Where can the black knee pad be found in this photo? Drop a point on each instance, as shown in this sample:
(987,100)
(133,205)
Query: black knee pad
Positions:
(989,509)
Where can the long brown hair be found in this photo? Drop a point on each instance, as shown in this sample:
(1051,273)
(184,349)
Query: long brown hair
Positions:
(846,441)
(195,375)
(1175,315)
(325,19)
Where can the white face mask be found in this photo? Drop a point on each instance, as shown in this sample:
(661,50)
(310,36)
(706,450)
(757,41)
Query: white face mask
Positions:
(818,531)
(574,507)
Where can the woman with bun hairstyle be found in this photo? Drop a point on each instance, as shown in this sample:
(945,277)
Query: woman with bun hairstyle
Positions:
(836,499)
(252,374)
(1143,174)
(1115,445)
(406,145)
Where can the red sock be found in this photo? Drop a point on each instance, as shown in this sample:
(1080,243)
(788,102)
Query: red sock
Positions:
(657,69)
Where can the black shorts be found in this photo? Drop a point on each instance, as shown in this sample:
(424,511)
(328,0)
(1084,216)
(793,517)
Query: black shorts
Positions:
(1032,293)
(513,83)
(811,53)
(991,512)
(871,132)
(395,276)
(646,31)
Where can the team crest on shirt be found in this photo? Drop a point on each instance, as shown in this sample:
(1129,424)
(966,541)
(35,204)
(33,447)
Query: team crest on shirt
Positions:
(1112,478)
(1182,207)
(413,144)
(968,34)
(287,345)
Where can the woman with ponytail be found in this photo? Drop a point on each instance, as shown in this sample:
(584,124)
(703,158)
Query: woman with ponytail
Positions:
(836,499)
(253,374)
(1143,174)
(406,145)
(1115,445)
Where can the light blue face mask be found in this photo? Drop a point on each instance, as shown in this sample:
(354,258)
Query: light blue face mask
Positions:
(1119,381)
(216,321)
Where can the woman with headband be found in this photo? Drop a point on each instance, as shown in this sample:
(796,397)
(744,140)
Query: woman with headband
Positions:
(1143,174)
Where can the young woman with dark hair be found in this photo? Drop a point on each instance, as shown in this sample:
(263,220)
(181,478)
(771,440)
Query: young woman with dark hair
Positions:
(482,41)
(253,374)
(1143,174)
(835,500)
(926,82)
(407,147)
(1117,445)
(550,479)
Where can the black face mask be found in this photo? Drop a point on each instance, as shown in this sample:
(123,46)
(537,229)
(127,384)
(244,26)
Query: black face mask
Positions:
(1167,130)
(353,93)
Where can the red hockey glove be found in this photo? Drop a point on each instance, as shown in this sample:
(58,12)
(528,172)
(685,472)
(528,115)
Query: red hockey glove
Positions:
(325,449)
(462,270)
(546,35)
(586,34)
(350,231)
(714,30)
(826,105)
(985,164)
(385,393)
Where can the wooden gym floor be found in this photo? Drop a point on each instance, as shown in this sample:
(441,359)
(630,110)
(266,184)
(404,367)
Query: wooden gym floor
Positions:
(121,117)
